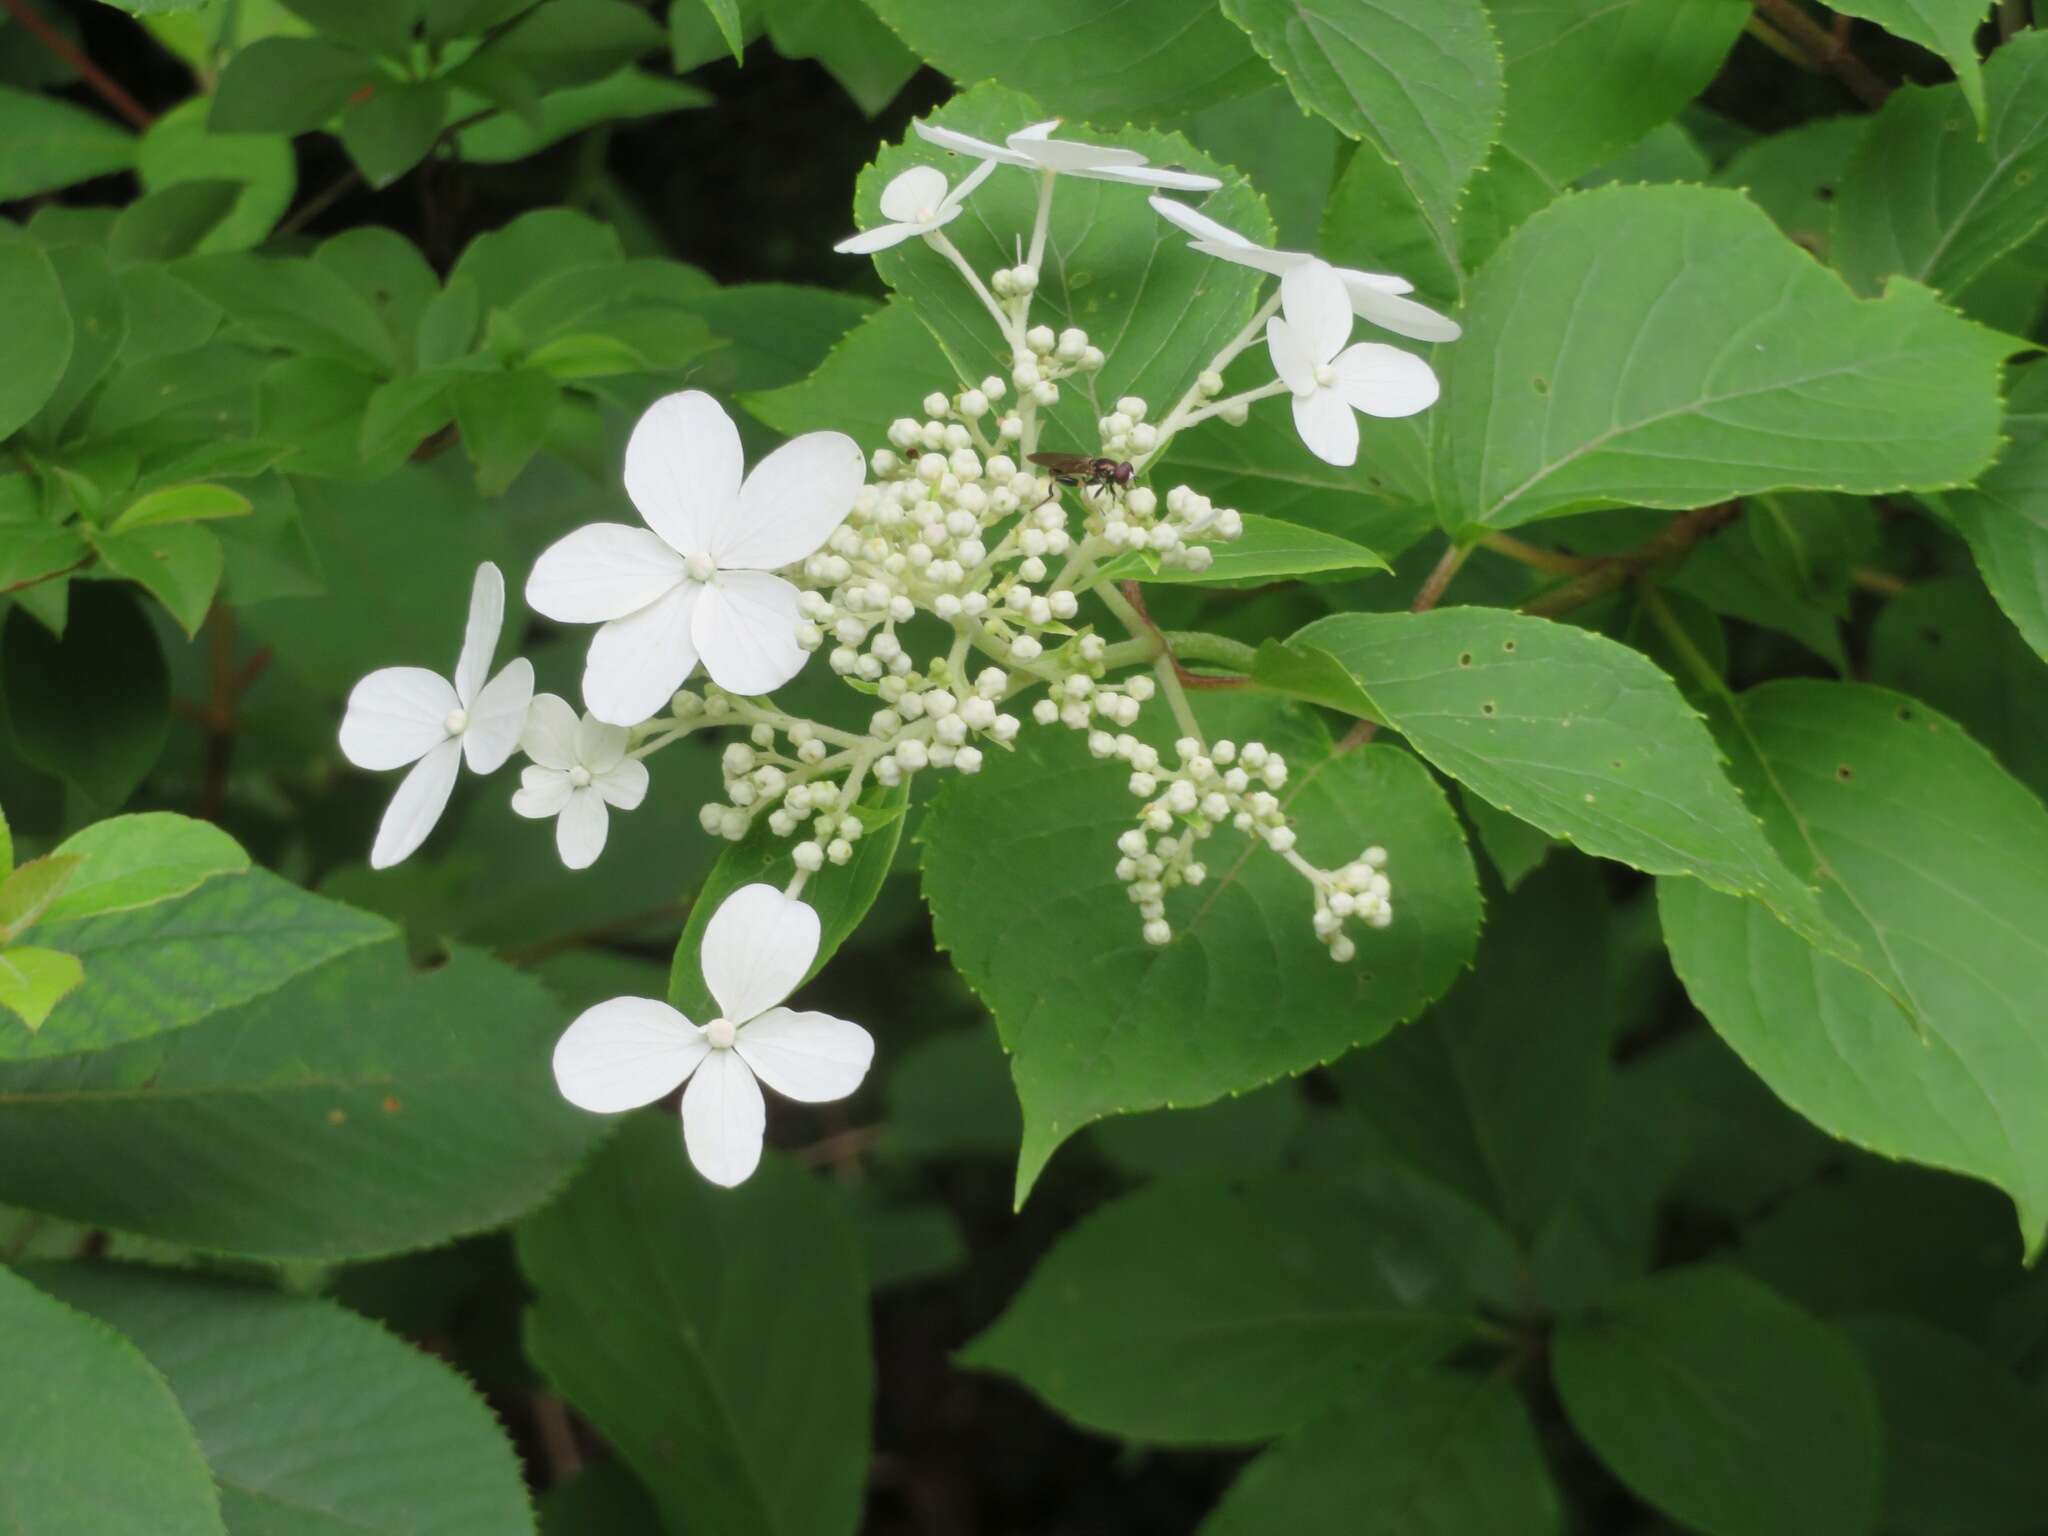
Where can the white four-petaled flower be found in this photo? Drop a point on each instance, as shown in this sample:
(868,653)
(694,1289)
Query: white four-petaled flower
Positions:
(403,715)
(697,582)
(579,767)
(1331,380)
(1374,296)
(916,202)
(631,1051)
(1036,149)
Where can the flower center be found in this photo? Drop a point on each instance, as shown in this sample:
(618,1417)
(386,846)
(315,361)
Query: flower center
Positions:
(719,1033)
(1325,376)
(925,216)
(700,567)
(457,722)
(579,776)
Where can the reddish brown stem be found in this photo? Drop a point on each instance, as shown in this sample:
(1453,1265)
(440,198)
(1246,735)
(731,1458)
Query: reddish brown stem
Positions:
(1829,50)
(1673,543)
(105,85)
(1135,596)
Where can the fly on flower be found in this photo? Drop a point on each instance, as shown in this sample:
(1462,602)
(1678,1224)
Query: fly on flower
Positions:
(1080,469)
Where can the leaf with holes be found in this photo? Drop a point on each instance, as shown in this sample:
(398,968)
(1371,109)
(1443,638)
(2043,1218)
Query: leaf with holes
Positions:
(1934,861)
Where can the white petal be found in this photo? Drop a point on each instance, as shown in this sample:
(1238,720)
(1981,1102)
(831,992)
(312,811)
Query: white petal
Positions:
(580,829)
(601,572)
(918,190)
(625,1053)
(880,238)
(791,503)
(624,786)
(550,734)
(758,947)
(1371,282)
(745,631)
(683,468)
(542,792)
(1313,299)
(1385,381)
(480,635)
(812,1057)
(1279,263)
(1327,426)
(638,662)
(600,747)
(965,187)
(1195,222)
(498,717)
(1071,157)
(967,144)
(1145,176)
(723,1117)
(1035,133)
(396,716)
(422,796)
(1404,317)
(1292,359)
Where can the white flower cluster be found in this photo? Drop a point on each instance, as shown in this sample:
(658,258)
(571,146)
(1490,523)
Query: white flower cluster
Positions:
(962,518)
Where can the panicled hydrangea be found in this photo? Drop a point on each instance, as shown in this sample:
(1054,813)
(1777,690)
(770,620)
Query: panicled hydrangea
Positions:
(965,516)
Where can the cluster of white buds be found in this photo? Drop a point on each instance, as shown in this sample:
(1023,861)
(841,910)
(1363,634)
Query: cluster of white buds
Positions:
(1178,530)
(1359,889)
(1082,701)
(1125,431)
(1047,357)
(1184,804)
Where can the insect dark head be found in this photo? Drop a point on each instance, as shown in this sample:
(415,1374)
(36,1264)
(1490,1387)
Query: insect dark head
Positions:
(1121,474)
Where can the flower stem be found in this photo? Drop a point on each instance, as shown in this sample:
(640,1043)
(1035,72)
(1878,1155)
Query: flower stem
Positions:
(946,248)
(1042,225)
(1219,407)
(1186,411)
(1826,49)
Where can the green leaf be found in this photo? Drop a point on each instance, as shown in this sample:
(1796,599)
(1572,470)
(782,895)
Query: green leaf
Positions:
(1725,1406)
(32,550)
(179,220)
(1311,676)
(99,326)
(34,980)
(363,1109)
(390,274)
(297,303)
(93,707)
(1253,1133)
(179,564)
(1117,270)
(840,894)
(1499,1102)
(26,894)
(1574,734)
(47,143)
(1267,551)
(1796,176)
(138,861)
(1432,1451)
(1933,860)
(504,418)
(311,1418)
(877,372)
(289,85)
(181,146)
(1245,993)
(1960,1432)
(1516,848)
(38,331)
(181,504)
(91,1440)
(545,243)
(1672,389)
(381,26)
(855,48)
(163,967)
(631,93)
(1082,58)
(2005,519)
(1418,81)
(390,131)
(1946,27)
(718,1338)
(562,43)
(1221,1312)
(727,14)
(1588,78)
(1925,196)
(1945,643)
